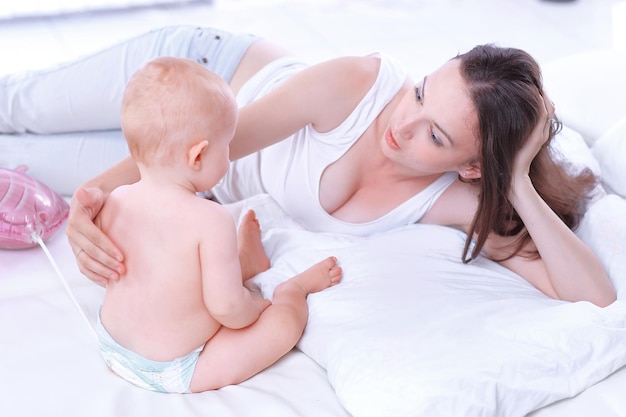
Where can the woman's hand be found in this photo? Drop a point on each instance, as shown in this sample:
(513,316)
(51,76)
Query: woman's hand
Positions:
(96,255)
(538,137)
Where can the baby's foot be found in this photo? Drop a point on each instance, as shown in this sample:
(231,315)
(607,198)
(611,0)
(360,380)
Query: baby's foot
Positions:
(320,276)
(252,256)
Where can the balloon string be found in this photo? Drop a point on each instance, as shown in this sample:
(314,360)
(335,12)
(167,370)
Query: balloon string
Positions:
(38,239)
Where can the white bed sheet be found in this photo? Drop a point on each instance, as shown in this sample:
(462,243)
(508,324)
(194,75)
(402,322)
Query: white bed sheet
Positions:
(50,364)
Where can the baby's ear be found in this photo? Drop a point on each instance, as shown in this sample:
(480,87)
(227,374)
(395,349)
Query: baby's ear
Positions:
(194,154)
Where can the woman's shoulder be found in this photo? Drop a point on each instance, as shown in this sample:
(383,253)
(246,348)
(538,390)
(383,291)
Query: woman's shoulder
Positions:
(367,67)
(372,78)
(352,70)
(335,89)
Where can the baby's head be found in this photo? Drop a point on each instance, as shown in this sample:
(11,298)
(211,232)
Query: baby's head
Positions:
(172,104)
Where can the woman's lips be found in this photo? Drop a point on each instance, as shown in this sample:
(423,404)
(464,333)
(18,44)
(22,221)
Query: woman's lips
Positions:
(391,142)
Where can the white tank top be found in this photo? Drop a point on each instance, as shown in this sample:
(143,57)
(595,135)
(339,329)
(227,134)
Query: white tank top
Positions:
(290,170)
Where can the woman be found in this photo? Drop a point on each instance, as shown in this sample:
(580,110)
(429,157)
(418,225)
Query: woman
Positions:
(367,149)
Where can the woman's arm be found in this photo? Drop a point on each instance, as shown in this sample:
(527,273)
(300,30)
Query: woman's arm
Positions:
(322,95)
(568,270)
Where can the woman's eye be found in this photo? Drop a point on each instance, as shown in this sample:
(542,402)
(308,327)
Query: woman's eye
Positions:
(418,94)
(435,139)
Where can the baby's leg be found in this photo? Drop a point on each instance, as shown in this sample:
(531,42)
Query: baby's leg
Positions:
(232,356)
(252,256)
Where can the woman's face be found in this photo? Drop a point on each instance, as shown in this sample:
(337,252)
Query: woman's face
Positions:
(433,128)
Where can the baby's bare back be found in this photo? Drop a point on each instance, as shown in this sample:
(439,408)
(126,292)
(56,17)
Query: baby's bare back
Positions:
(157,308)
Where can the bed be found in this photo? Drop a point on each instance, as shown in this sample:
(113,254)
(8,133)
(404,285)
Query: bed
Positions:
(411,331)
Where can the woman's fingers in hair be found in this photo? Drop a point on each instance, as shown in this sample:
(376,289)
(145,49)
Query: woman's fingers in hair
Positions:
(549,106)
(548,118)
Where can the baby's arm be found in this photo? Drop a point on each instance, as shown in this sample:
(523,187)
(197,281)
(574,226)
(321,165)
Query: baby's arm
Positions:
(225,296)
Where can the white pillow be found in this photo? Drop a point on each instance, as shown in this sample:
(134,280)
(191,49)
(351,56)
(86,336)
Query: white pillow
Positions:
(610,151)
(570,148)
(412,331)
(588,89)
(603,229)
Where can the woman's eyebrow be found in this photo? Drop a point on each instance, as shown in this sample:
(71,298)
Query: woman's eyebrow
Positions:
(435,123)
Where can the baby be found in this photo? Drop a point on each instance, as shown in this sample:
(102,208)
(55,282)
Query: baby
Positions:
(182,318)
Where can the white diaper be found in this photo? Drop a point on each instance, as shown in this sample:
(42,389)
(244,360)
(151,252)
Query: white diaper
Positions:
(173,376)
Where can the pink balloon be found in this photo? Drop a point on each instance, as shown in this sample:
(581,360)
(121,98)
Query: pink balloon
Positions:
(27,206)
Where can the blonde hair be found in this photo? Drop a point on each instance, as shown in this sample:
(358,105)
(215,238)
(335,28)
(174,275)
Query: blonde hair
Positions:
(171,103)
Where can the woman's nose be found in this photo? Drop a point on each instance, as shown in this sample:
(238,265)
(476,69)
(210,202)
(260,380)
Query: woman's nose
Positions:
(405,128)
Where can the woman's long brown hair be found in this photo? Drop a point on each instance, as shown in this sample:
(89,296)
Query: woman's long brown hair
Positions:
(506,88)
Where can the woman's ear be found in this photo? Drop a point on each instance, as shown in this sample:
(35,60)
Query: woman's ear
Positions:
(471,172)
(194,154)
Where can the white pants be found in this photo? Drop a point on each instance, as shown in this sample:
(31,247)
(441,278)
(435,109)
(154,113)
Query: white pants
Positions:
(86,94)
(69,103)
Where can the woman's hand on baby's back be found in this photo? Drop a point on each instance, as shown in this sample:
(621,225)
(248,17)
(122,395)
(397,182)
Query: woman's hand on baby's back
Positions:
(96,255)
